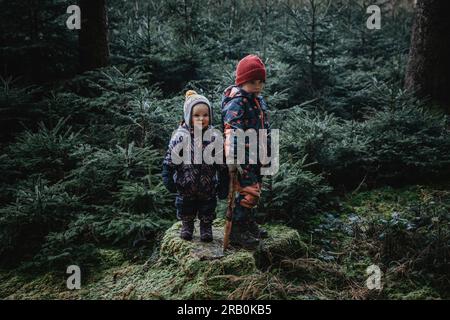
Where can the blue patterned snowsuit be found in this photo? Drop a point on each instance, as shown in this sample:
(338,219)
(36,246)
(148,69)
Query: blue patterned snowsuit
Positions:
(242,110)
(196,185)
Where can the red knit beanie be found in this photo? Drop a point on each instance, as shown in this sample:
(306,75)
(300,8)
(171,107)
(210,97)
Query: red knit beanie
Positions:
(250,68)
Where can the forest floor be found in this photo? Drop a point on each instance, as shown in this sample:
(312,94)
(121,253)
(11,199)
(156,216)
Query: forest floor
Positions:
(327,259)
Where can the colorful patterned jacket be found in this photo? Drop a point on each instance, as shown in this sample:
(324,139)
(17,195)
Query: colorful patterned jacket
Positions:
(193,181)
(243,110)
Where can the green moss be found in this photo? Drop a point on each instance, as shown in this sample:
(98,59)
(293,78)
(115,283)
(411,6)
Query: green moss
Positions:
(384,201)
(283,243)
(47,286)
(408,293)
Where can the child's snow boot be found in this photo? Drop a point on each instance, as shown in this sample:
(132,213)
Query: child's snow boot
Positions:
(206,233)
(240,237)
(187,228)
(256,231)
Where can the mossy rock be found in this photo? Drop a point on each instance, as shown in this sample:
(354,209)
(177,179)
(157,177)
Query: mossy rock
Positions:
(196,256)
(210,273)
(283,243)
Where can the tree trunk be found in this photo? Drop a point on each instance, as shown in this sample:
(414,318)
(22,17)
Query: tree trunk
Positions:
(428,69)
(93,36)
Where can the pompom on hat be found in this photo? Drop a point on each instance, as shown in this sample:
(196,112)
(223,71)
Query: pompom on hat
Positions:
(250,68)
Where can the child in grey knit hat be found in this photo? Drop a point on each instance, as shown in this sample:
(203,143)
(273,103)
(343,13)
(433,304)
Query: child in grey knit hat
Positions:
(197,185)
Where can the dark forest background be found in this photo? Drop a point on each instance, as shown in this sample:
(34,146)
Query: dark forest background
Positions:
(86,116)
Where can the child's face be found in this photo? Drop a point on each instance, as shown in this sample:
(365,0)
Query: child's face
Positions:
(254,86)
(200,115)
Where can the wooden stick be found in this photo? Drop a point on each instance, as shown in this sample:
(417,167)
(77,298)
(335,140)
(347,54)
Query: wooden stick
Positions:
(229,213)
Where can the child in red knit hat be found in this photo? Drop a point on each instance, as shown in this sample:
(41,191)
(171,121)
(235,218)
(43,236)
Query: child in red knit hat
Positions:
(244,108)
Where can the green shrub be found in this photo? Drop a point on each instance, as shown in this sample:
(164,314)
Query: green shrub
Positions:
(47,152)
(410,144)
(38,210)
(395,146)
(97,178)
(294,193)
(19,108)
